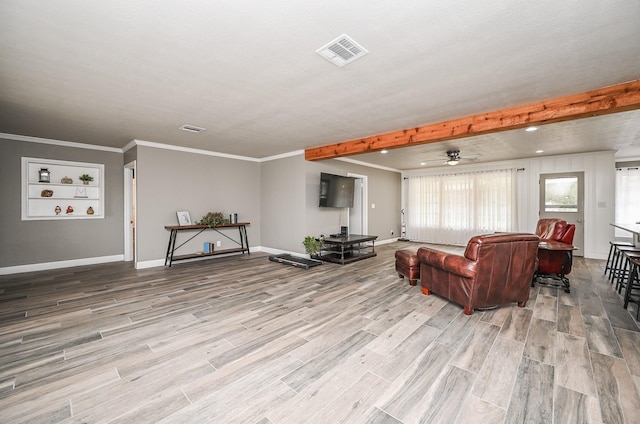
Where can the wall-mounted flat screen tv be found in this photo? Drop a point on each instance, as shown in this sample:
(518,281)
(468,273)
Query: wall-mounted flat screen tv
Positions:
(336,191)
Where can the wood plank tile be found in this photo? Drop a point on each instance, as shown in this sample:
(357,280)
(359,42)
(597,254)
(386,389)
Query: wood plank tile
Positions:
(328,360)
(495,380)
(473,351)
(516,324)
(630,345)
(444,399)
(573,407)
(403,398)
(601,337)
(573,364)
(546,308)
(541,341)
(532,399)
(570,320)
(357,402)
(618,396)
(211,341)
(478,411)
(619,317)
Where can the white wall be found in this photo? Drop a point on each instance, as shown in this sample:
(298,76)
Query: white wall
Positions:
(599,192)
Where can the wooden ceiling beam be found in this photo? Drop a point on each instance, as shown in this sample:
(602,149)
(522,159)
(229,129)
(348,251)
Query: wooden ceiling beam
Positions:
(612,99)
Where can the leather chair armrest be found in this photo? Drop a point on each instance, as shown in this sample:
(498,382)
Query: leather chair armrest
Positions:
(450,262)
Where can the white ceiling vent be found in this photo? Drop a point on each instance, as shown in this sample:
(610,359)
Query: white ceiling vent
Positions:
(342,50)
(191,128)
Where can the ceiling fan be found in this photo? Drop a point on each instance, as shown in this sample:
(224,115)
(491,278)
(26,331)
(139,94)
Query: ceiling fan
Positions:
(453,157)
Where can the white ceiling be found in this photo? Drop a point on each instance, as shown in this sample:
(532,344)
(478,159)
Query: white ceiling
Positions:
(109,72)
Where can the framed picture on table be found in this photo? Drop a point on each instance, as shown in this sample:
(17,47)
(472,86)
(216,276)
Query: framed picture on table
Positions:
(184,218)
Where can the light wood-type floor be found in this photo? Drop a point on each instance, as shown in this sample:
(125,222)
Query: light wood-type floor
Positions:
(245,340)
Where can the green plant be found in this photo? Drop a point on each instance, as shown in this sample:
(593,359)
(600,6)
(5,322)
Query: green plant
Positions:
(85,177)
(212,219)
(312,244)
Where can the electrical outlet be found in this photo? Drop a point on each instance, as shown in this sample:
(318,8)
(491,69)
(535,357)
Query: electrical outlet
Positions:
(218,243)
(391,232)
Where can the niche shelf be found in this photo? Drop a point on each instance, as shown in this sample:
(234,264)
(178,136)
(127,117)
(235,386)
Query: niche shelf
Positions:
(75,200)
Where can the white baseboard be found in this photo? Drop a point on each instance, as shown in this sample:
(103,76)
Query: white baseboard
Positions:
(160,262)
(60,264)
(387,241)
(149,264)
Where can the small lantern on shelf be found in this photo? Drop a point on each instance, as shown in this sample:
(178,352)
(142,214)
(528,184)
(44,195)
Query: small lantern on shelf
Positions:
(44,176)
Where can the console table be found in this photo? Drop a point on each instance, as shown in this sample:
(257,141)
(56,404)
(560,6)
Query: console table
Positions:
(347,249)
(175,229)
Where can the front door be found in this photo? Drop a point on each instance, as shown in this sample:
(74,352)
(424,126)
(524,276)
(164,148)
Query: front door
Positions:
(561,196)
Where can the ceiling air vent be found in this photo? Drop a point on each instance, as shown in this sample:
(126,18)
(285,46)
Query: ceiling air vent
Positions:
(191,128)
(342,50)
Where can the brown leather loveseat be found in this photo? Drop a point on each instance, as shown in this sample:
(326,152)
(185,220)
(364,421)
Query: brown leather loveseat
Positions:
(496,269)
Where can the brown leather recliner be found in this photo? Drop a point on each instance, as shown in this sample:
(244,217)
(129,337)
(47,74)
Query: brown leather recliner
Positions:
(496,269)
(554,261)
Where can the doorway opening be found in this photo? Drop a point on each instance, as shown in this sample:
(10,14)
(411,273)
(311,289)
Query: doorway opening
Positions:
(358,214)
(130,251)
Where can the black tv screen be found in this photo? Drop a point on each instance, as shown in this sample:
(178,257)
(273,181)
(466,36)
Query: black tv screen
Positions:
(336,191)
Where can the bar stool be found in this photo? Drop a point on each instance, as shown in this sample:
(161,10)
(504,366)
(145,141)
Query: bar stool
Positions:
(613,248)
(633,284)
(617,271)
(626,268)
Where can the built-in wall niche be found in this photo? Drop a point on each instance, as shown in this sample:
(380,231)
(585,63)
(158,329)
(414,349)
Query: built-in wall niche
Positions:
(59,190)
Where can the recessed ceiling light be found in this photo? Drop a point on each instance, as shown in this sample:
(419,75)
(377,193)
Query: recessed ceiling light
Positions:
(539,151)
(384,152)
(529,129)
(423,163)
(191,128)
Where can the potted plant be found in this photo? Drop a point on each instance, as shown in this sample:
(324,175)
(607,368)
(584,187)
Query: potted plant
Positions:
(312,245)
(213,219)
(85,178)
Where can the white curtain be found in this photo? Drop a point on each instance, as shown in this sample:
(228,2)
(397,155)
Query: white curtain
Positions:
(627,198)
(450,209)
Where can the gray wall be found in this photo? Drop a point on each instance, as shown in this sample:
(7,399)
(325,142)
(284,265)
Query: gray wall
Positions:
(385,191)
(168,181)
(281,193)
(33,242)
(290,192)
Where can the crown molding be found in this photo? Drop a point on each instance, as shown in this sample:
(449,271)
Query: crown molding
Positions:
(63,143)
(369,165)
(155,145)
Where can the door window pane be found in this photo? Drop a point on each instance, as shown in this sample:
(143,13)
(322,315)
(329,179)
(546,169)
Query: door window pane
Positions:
(561,194)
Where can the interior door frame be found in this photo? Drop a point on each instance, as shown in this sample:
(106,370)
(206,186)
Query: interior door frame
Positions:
(578,239)
(130,248)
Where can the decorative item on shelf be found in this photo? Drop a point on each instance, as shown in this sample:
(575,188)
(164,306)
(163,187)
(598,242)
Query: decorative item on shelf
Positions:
(85,178)
(233,218)
(81,192)
(90,211)
(312,245)
(69,210)
(58,209)
(44,176)
(184,218)
(213,218)
(66,180)
(46,193)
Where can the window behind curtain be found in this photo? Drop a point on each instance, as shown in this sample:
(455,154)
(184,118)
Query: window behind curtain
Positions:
(627,198)
(450,209)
